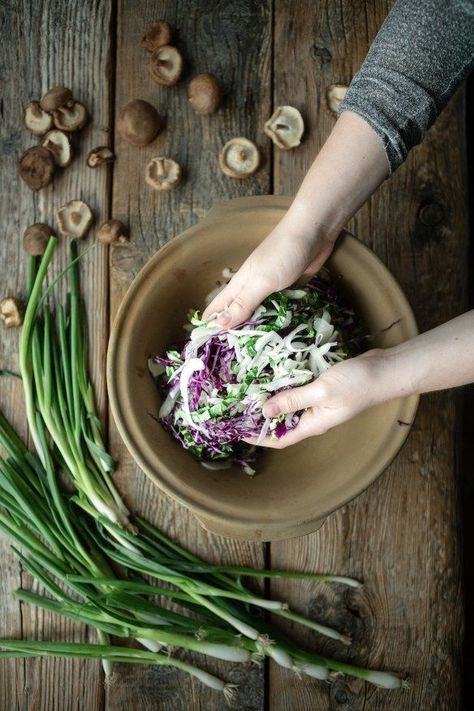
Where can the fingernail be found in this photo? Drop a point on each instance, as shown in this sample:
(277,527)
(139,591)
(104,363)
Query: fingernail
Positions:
(224,319)
(271,410)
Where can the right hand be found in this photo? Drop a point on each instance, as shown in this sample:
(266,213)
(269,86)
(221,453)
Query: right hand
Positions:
(287,254)
(348,168)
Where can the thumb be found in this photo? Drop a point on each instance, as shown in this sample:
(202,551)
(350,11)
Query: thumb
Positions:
(295,399)
(236,303)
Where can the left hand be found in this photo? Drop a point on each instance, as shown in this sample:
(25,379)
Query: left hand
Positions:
(340,393)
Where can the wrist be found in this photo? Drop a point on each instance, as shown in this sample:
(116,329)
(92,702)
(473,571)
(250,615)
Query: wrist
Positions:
(393,374)
(303,221)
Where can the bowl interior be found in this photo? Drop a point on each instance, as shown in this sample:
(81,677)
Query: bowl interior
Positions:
(303,482)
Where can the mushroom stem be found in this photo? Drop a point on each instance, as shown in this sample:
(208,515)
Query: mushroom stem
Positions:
(160,167)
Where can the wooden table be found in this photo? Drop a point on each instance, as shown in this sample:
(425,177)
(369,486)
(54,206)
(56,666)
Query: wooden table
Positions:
(401,536)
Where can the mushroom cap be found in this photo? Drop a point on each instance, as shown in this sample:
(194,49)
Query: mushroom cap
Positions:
(157,34)
(285,127)
(112,231)
(11,312)
(36,120)
(36,237)
(70,118)
(58,143)
(56,97)
(239,158)
(36,167)
(166,65)
(74,219)
(334,96)
(163,173)
(138,122)
(204,93)
(98,156)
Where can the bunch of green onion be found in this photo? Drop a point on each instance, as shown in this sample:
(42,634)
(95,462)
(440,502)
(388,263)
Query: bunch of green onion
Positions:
(70,542)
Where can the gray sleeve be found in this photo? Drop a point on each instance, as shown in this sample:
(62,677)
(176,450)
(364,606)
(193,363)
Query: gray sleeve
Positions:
(423,51)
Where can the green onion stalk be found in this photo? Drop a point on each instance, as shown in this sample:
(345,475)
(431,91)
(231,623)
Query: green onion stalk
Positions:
(28,514)
(54,373)
(114,606)
(60,403)
(26,649)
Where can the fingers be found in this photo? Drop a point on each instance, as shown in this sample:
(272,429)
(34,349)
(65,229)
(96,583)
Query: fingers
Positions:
(238,310)
(306,427)
(237,302)
(220,302)
(233,308)
(295,399)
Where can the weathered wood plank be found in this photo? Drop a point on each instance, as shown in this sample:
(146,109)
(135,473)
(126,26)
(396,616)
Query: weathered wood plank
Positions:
(401,535)
(406,618)
(43,44)
(231,40)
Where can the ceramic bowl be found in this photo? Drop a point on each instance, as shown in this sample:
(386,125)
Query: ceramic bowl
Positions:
(295,488)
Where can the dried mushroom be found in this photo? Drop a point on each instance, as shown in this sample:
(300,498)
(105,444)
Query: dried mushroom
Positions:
(166,65)
(36,237)
(239,158)
(70,118)
(56,97)
(204,93)
(285,127)
(335,95)
(74,219)
(36,167)
(11,312)
(138,122)
(112,231)
(163,173)
(156,35)
(99,156)
(58,143)
(36,120)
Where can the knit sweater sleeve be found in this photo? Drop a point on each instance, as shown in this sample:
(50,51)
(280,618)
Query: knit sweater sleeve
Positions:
(423,51)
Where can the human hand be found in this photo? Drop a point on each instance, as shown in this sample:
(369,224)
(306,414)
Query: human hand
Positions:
(349,167)
(337,395)
(292,250)
(435,360)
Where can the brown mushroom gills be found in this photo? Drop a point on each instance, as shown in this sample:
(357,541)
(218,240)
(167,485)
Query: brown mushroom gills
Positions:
(239,158)
(58,143)
(166,65)
(285,127)
(163,173)
(74,219)
(11,312)
(70,118)
(36,119)
(99,155)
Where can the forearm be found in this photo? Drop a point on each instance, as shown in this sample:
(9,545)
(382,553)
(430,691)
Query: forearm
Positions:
(423,51)
(347,170)
(435,360)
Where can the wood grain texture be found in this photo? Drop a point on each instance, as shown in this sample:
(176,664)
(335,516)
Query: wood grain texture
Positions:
(400,536)
(231,40)
(43,44)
